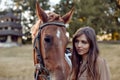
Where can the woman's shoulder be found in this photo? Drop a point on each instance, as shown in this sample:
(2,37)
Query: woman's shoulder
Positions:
(100,60)
(103,68)
(102,64)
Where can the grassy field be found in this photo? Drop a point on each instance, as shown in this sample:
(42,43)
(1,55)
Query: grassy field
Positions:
(16,63)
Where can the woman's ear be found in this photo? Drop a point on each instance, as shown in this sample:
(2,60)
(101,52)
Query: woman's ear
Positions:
(41,13)
(67,17)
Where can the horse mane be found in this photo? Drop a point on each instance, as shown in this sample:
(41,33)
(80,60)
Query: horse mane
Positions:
(51,17)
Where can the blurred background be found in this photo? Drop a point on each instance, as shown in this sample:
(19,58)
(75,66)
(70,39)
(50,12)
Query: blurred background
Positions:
(18,16)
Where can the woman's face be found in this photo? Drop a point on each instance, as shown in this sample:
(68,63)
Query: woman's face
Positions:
(82,45)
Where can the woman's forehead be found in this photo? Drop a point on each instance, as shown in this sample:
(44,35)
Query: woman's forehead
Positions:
(81,37)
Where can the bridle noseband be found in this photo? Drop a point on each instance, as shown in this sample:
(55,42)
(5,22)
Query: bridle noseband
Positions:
(42,68)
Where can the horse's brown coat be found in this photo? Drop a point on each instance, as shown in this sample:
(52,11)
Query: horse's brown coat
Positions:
(53,51)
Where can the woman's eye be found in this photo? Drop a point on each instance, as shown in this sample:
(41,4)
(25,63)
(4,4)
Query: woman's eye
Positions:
(85,42)
(76,41)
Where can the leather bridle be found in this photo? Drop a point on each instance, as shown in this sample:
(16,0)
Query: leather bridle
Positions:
(36,46)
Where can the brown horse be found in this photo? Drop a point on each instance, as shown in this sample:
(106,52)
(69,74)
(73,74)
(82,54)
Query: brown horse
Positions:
(49,44)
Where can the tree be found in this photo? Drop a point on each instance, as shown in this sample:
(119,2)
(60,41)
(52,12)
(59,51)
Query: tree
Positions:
(26,10)
(63,7)
(29,14)
(92,13)
(99,14)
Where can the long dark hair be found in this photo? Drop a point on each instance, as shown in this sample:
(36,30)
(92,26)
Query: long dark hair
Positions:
(92,54)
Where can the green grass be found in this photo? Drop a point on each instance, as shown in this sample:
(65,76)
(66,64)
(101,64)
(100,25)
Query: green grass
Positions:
(111,52)
(16,63)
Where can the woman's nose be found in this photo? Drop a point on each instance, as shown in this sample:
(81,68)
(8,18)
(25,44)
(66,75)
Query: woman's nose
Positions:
(79,44)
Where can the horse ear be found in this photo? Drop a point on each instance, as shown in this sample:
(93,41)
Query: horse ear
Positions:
(68,16)
(40,13)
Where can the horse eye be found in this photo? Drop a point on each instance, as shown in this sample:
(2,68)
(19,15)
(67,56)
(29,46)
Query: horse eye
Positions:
(47,39)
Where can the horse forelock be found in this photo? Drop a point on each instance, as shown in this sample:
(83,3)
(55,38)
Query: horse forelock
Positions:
(54,17)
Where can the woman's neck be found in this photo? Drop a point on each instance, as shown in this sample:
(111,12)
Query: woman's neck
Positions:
(84,57)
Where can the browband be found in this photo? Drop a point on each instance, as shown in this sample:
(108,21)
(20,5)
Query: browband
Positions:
(52,23)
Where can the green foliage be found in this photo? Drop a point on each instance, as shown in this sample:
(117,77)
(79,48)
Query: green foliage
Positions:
(91,12)
(28,6)
(63,7)
(74,25)
(102,15)
(26,9)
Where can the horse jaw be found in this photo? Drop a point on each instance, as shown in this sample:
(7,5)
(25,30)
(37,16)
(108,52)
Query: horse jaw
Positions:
(55,76)
(59,74)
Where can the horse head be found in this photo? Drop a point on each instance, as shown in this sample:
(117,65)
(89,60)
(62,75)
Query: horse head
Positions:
(50,43)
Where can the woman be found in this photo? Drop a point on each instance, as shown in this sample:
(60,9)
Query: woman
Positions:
(86,62)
